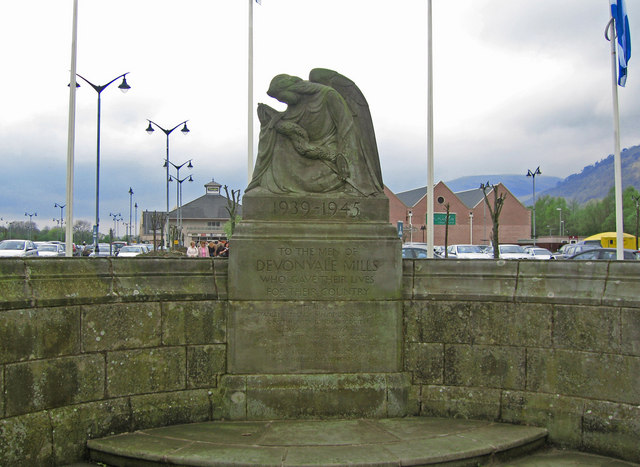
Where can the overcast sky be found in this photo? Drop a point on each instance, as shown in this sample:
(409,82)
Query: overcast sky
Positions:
(517,84)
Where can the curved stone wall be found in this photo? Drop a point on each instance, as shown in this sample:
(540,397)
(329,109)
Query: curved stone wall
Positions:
(90,347)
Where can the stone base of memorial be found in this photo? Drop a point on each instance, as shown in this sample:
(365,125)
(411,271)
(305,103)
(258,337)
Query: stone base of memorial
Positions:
(315,309)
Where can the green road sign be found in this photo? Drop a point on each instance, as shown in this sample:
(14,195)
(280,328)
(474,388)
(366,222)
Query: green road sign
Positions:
(439,218)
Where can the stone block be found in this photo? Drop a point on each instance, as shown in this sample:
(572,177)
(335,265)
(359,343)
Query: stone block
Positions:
(612,429)
(117,326)
(38,333)
(595,329)
(26,440)
(398,394)
(630,331)
(46,384)
(14,289)
(2,391)
(446,322)
(170,408)
(465,280)
(484,366)
(413,401)
(458,402)
(314,337)
(509,324)
(425,362)
(623,282)
(57,282)
(583,374)
(194,322)
(152,278)
(144,371)
(74,425)
(205,363)
(561,415)
(221,277)
(233,391)
(544,281)
(311,396)
(407,279)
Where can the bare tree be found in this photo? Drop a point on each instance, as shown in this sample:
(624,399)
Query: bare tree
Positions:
(157,220)
(494,212)
(232,206)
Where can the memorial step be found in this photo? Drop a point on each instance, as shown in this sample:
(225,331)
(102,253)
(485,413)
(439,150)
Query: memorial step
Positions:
(375,442)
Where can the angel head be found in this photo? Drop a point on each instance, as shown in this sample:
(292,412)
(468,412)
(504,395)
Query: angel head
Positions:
(280,89)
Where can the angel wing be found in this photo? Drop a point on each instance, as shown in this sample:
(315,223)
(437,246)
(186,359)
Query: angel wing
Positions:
(361,115)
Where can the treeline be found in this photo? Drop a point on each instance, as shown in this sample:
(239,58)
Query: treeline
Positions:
(82,232)
(593,217)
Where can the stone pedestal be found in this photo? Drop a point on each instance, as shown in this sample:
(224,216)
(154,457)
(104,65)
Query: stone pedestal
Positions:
(315,289)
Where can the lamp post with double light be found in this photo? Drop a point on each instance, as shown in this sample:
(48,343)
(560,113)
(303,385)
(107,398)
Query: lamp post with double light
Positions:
(31,216)
(179,192)
(124,87)
(61,206)
(130,213)
(184,131)
(533,176)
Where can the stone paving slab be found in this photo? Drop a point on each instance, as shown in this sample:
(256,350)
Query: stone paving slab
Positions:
(379,442)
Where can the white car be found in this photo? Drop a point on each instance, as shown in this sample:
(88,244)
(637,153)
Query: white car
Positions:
(467,252)
(132,250)
(513,252)
(18,248)
(539,253)
(50,249)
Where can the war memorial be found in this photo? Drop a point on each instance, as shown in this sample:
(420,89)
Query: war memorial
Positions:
(315,343)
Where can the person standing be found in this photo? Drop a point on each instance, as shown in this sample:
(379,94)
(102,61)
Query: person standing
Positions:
(203,251)
(192,251)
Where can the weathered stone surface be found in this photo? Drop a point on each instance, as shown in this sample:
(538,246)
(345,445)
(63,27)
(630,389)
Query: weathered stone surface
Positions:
(407,279)
(221,277)
(484,366)
(59,282)
(584,374)
(145,371)
(630,331)
(2,391)
(314,337)
(205,363)
(74,425)
(39,333)
(548,281)
(413,401)
(612,429)
(398,394)
(586,328)
(460,402)
(194,322)
(14,289)
(561,415)
(425,362)
(171,278)
(118,326)
(46,384)
(172,408)
(484,280)
(623,283)
(233,390)
(26,441)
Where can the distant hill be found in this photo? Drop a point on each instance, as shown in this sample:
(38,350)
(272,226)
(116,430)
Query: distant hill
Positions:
(593,182)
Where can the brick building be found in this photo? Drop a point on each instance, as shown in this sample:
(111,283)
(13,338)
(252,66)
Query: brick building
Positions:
(469,218)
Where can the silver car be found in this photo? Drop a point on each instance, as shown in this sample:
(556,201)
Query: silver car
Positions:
(50,249)
(18,248)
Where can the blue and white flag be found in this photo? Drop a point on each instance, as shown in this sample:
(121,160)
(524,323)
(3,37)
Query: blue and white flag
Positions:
(619,14)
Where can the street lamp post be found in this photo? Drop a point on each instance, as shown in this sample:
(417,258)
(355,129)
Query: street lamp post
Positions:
(185,131)
(179,196)
(116,217)
(130,212)
(30,222)
(559,221)
(179,193)
(533,176)
(124,87)
(61,206)
(636,199)
(135,220)
(471,227)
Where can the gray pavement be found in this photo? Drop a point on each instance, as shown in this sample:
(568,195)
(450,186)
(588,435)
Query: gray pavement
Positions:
(383,442)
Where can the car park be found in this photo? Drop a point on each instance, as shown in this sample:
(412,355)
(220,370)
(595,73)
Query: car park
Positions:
(467,252)
(575,248)
(104,249)
(50,249)
(131,250)
(605,254)
(417,251)
(539,253)
(512,252)
(18,248)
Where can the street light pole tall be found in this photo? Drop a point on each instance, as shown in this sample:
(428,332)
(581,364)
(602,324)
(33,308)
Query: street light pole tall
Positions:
(178,191)
(636,199)
(185,131)
(179,196)
(61,206)
(124,87)
(560,221)
(130,211)
(30,223)
(533,175)
(135,220)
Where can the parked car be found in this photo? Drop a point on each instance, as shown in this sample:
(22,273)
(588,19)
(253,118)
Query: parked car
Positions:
(132,250)
(50,249)
(104,249)
(539,253)
(18,248)
(467,252)
(512,252)
(575,248)
(417,251)
(610,254)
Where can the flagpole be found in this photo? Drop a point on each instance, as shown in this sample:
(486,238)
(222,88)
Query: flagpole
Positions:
(71,133)
(616,136)
(250,98)
(429,219)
